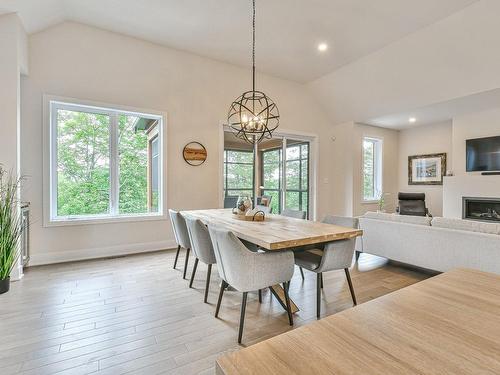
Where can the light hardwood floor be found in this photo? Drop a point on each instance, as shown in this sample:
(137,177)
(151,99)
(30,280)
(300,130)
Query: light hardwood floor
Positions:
(136,315)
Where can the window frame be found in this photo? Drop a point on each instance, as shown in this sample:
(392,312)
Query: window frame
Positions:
(50,107)
(378,172)
(225,166)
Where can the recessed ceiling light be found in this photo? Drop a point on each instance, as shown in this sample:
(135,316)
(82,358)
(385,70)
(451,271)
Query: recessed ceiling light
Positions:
(412,120)
(322,47)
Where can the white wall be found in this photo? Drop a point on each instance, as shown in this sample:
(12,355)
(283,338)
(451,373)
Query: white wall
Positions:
(347,167)
(428,139)
(452,58)
(78,61)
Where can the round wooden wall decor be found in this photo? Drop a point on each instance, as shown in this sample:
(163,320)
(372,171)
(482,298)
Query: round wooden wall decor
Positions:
(194,153)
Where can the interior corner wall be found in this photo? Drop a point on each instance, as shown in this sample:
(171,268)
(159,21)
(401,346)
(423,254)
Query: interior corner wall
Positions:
(421,140)
(10,72)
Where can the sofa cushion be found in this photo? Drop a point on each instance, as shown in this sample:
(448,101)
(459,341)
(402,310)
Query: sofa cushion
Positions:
(418,220)
(467,225)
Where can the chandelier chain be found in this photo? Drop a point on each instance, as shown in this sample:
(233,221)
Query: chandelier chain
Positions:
(253,48)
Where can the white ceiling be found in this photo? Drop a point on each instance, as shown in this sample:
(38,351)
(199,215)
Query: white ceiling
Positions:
(438,112)
(288,31)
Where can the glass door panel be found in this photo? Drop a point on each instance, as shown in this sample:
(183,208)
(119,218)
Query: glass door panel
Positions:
(296,175)
(272,167)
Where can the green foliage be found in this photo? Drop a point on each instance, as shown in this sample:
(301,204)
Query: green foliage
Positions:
(10,223)
(368,170)
(83,156)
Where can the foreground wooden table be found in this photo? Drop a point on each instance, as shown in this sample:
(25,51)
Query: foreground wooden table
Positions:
(448,324)
(276,233)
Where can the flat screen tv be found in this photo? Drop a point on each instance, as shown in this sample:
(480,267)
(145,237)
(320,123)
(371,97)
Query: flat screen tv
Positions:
(483,154)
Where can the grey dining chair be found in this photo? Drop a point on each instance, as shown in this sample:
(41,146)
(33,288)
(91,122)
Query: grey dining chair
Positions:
(202,249)
(265,209)
(334,255)
(294,213)
(246,270)
(181,237)
(297,215)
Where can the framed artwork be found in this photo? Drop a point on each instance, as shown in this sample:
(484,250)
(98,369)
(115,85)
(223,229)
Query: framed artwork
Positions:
(426,169)
(194,153)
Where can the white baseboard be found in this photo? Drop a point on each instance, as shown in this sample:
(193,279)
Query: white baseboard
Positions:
(47,257)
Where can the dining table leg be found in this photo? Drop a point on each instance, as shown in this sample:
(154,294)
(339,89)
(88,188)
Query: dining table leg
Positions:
(279,294)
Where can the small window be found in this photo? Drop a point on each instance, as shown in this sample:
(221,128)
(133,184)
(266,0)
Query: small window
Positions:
(104,163)
(372,169)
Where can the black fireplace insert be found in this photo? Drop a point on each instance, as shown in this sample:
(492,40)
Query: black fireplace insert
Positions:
(484,209)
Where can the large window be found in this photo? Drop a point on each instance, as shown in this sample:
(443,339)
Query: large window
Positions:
(372,169)
(104,163)
(238,173)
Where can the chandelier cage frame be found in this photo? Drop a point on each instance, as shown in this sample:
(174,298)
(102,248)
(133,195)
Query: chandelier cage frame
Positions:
(253,116)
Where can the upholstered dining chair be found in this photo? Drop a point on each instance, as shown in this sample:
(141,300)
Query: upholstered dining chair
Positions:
(297,215)
(294,213)
(181,237)
(334,255)
(265,209)
(247,271)
(202,249)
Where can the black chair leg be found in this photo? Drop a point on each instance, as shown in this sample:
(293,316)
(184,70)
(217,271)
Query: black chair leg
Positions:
(223,286)
(242,316)
(321,280)
(194,271)
(358,253)
(177,255)
(287,300)
(318,295)
(301,272)
(348,275)
(260,295)
(209,271)
(186,264)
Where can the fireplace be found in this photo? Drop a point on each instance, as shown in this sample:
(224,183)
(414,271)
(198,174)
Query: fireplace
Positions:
(484,209)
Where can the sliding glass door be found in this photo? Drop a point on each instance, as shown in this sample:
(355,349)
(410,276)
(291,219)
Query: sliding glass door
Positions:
(286,178)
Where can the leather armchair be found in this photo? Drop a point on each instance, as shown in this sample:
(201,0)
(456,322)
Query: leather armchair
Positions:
(412,204)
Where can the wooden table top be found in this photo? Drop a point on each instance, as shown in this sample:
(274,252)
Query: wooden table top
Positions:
(448,324)
(276,232)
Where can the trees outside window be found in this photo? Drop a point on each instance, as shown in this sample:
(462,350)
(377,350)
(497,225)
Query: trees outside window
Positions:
(238,173)
(372,169)
(104,162)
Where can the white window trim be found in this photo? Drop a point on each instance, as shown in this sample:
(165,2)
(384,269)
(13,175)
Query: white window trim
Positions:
(51,102)
(379,177)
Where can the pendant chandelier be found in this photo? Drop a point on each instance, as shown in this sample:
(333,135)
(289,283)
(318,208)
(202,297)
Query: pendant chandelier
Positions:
(253,116)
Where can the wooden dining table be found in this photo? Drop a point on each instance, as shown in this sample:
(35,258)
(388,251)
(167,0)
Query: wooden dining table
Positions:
(448,324)
(276,233)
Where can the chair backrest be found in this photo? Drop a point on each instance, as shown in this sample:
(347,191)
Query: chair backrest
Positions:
(412,204)
(265,209)
(338,254)
(200,240)
(343,221)
(230,201)
(233,258)
(265,200)
(180,229)
(293,213)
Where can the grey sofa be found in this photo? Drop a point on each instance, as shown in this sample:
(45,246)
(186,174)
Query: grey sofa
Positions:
(439,244)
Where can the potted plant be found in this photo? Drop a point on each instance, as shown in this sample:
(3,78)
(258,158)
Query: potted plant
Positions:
(10,226)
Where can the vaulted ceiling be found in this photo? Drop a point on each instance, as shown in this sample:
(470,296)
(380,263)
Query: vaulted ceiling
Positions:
(288,31)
